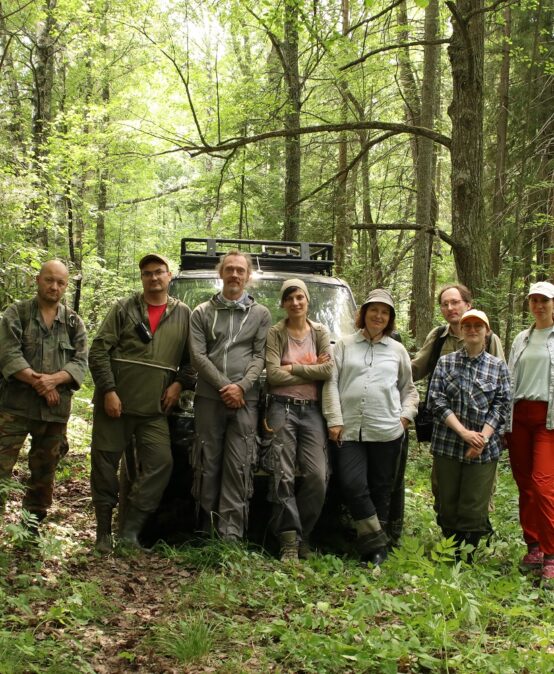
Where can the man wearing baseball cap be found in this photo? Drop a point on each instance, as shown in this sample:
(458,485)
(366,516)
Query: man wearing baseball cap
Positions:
(139,361)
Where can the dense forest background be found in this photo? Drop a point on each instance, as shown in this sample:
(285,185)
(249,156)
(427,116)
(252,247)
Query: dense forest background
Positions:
(416,135)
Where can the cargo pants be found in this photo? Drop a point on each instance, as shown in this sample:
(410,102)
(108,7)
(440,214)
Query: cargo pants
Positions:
(299,442)
(223,457)
(110,437)
(47,444)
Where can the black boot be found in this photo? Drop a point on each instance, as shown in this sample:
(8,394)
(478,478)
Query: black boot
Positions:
(132,526)
(473,538)
(459,542)
(104,542)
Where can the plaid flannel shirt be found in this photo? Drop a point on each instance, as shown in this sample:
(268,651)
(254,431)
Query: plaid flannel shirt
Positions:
(477,391)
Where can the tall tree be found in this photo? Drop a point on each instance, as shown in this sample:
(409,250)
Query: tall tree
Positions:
(466,53)
(292,121)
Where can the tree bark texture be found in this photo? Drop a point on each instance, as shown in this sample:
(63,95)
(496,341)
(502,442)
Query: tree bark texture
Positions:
(466,54)
(42,65)
(499,203)
(343,233)
(422,312)
(292,121)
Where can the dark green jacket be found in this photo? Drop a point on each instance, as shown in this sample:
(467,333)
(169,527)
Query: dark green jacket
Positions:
(25,341)
(138,372)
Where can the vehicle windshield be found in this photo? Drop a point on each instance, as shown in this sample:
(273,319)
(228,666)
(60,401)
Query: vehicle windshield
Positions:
(331,305)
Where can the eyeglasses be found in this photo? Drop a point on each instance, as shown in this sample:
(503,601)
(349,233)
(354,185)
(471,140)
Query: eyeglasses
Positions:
(153,274)
(452,303)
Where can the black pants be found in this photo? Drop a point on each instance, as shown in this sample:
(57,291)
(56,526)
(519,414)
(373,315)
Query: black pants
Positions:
(366,472)
(398,496)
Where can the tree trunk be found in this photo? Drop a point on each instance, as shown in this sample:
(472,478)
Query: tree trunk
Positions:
(292,121)
(15,114)
(42,62)
(423,314)
(466,53)
(499,200)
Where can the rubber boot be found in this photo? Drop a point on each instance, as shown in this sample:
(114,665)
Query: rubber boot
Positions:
(472,538)
(132,526)
(104,541)
(289,546)
(372,541)
(459,542)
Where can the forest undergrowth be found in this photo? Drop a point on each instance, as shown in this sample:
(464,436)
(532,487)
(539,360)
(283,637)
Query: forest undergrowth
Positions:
(230,608)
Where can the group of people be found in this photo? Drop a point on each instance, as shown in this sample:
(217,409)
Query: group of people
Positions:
(348,406)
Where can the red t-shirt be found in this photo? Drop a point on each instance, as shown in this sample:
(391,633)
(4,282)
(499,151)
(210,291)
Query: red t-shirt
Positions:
(154,315)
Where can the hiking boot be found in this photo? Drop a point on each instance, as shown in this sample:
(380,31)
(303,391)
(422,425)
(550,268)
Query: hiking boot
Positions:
(132,526)
(305,551)
(289,546)
(532,561)
(104,541)
(376,557)
(547,576)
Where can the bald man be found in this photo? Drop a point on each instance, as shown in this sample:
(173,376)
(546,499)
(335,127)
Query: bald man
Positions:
(43,359)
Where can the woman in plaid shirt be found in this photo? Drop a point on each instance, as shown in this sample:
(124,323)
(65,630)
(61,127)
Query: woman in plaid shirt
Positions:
(469,397)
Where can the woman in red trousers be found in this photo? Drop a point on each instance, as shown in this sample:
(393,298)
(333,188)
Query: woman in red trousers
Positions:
(530,432)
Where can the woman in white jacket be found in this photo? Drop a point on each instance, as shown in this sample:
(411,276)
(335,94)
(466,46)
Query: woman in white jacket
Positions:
(368,403)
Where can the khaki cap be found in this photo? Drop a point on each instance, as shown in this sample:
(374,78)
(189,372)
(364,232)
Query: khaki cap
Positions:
(475,313)
(153,257)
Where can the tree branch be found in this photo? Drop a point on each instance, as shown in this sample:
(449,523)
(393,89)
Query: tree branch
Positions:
(389,47)
(140,200)
(232,143)
(183,79)
(367,146)
(395,226)
(491,8)
(374,17)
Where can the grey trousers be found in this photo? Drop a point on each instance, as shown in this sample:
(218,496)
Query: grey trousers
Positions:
(464,491)
(223,458)
(299,441)
(110,437)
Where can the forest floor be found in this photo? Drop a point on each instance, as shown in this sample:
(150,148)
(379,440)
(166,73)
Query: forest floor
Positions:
(64,609)
(134,590)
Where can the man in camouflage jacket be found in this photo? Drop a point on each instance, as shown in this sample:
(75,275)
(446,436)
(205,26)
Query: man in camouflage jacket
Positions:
(43,359)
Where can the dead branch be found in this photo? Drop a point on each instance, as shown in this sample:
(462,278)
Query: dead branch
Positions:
(397,128)
(395,226)
(415,43)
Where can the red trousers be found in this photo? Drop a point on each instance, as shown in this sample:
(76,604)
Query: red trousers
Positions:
(531,448)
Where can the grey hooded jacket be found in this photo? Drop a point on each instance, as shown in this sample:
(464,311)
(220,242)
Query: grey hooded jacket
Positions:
(227,345)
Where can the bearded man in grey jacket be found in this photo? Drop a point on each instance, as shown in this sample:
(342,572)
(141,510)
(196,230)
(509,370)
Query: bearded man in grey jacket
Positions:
(227,344)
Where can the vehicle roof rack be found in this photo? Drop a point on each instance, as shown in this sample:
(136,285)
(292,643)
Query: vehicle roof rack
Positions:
(290,256)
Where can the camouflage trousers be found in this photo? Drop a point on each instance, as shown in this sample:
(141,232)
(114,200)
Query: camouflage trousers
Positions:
(47,445)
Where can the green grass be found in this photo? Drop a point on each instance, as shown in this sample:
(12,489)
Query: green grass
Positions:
(187,640)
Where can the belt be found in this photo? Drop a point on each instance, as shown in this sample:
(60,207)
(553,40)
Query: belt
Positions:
(293,401)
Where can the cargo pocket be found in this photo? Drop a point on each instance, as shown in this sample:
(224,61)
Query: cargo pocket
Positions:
(250,466)
(274,494)
(195,458)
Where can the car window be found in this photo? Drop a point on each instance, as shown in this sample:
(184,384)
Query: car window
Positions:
(331,305)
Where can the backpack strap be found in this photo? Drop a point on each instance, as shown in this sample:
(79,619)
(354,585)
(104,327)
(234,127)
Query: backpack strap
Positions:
(435,355)
(71,318)
(437,348)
